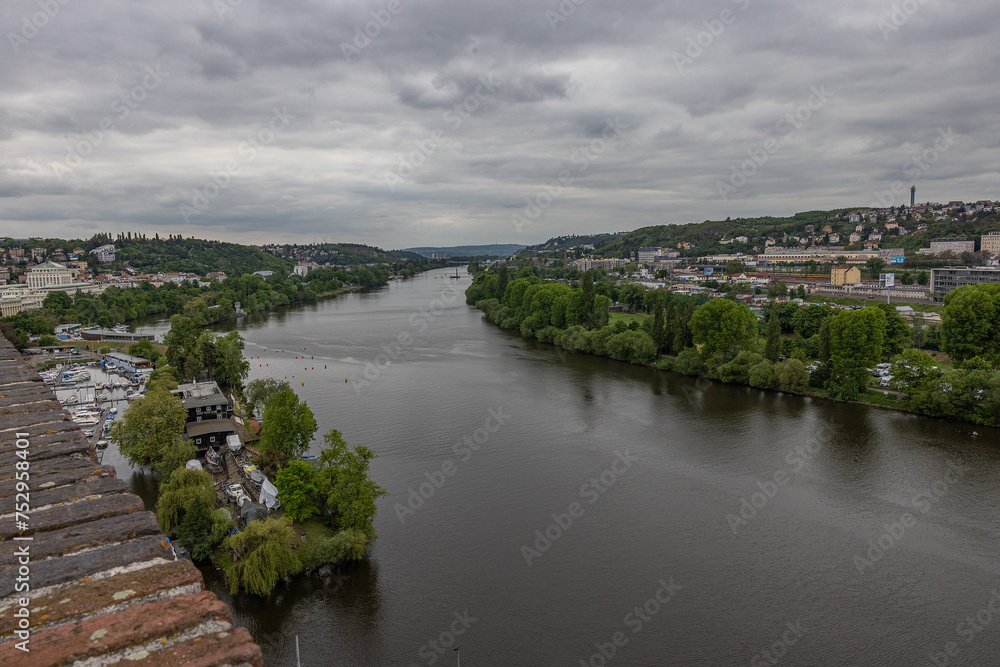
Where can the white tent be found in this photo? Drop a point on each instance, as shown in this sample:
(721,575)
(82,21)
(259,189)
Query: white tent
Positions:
(269,495)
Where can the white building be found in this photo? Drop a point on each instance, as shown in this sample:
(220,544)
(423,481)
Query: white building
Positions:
(48,273)
(104,254)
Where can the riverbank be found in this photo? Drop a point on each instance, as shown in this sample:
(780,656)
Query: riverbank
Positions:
(834,353)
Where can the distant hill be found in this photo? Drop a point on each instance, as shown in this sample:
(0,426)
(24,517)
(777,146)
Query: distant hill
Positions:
(494,250)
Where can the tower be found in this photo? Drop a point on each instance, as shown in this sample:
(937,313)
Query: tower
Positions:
(913,194)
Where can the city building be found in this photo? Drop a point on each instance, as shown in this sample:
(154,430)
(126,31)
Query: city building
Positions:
(647,255)
(105,254)
(842,275)
(957,245)
(946,279)
(48,274)
(990,243)
(303,268)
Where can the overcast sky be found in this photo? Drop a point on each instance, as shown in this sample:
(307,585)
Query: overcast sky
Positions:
(437,122)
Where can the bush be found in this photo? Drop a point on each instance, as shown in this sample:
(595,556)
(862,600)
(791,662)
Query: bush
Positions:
(791,376)
(738,370)
(762,375)
(345,545)
(633,346)
(195,530)
(689,362)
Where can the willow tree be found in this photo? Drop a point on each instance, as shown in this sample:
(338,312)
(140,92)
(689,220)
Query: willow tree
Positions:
(261,556)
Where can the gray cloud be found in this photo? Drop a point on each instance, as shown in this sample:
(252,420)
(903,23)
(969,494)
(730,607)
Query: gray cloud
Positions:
(88,142)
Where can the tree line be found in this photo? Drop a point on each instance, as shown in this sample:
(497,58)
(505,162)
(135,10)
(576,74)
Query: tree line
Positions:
(723,339)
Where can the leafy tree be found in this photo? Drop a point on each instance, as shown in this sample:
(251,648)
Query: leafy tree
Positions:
(856,341)
(47,340)
(737,371)
(689,362)
(297,489)
(791,376)
(773,346)
(231,368)
(348,492)
(923,278)
(261,555)
(723,328)
(587,294)
(195,529)
(913,370)
(288,428)
(808,319)
(144,348)
(632,346)
(874,266)
(163,377)
(898,335)
(260,391)
(57,302)
(777,290)
(969,322)
(762,375)
(178,492)
(345,545)
(17,337)
(150,432)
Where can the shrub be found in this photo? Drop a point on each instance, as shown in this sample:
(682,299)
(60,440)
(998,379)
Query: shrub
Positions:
(689,362)
(762,375)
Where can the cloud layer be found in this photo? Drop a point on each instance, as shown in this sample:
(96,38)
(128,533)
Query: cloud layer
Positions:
(438,122)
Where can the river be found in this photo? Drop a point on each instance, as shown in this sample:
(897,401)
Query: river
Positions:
(679,521)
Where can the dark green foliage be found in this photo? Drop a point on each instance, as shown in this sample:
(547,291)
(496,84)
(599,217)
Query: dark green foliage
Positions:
(773,346)
(195,529)
(261,556)
(288,428)
(179,492)
(296,484)
(349,495)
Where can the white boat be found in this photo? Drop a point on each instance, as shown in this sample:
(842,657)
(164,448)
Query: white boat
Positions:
(87,420)
(130,394)
(71,400)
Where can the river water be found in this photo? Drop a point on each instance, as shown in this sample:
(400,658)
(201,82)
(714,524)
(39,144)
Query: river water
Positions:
(679,521)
